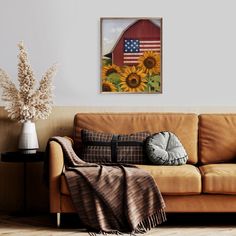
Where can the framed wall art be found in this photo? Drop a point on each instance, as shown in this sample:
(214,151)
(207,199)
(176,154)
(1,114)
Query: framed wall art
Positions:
(131,55)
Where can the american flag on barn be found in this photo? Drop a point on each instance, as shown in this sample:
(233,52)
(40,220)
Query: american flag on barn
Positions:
(143,35)
(134,48)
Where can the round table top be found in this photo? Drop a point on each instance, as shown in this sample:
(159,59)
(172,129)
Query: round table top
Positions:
(21,157)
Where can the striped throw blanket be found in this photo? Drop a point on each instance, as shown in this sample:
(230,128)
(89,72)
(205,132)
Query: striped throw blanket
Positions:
(112,198)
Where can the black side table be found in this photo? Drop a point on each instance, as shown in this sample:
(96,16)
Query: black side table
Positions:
(23,158)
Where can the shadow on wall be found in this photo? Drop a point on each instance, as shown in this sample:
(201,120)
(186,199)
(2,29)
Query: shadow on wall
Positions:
(59,123)
(10,131)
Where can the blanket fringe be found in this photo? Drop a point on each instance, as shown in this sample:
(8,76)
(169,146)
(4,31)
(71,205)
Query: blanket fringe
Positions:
(112,232)
(144,226)
(150,222)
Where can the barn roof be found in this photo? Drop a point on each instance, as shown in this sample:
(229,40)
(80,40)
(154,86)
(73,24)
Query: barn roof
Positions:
(110,53)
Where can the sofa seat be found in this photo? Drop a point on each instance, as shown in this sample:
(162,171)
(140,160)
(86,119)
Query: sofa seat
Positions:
(171,180)
(176,180)
(219,178)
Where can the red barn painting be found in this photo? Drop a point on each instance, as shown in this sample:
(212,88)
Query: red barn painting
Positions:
(143,35)
(131,55)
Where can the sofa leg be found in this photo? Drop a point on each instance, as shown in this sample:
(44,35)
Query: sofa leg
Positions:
(58,220)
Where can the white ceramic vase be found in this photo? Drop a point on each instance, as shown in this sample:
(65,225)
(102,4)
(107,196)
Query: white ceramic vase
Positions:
(28,141)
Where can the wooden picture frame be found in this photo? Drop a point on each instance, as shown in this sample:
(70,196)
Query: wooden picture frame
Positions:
(131,55)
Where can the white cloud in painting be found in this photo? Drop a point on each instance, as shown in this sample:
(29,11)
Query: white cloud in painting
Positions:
(111,31)
(116,30)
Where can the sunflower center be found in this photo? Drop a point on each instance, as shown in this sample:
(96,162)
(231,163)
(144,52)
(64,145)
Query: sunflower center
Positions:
(149,62)
(106,88)
(133,80)
(110,71)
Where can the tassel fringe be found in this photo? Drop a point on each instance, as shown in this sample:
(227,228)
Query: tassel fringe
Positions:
(144,226)
(150,222)
(112,232)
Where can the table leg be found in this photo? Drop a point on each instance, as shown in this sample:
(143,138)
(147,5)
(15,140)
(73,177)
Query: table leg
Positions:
(25,188)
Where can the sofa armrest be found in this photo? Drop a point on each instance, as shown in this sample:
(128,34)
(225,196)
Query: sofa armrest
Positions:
(56,164)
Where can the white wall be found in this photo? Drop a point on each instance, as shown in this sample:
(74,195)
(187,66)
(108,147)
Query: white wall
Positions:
(199,48)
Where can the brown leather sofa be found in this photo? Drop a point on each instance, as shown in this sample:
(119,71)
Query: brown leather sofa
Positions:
(207,183)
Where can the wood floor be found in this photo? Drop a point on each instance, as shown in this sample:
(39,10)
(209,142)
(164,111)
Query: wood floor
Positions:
(177,225)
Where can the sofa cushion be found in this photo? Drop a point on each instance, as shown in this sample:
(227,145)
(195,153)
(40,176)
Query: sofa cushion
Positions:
(217,138)
(185,126)
(164,148)
(171,180)
(102,147)
(219,178)
(175,180)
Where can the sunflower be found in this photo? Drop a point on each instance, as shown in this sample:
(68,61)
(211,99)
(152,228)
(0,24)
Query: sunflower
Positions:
(108,86)
(132,80)
(150,62)
(109,69)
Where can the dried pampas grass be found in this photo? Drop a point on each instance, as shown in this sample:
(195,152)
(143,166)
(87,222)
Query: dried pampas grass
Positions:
(27,103)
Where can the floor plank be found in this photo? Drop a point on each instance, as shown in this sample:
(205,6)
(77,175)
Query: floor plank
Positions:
(177,225)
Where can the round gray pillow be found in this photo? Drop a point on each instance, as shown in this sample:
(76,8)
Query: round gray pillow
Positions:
(164,148)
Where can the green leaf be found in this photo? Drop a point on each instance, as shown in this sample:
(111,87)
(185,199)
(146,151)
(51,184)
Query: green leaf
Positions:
(155,83)
(106,61)
(147,88)
(114,78)
(119,89)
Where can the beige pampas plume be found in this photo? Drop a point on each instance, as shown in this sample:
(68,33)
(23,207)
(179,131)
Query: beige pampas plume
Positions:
(26,102)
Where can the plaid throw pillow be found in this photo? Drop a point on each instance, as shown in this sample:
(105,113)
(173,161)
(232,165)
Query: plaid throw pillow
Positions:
(109,148)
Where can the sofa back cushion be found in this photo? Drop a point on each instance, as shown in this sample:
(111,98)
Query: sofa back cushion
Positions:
(217,138)
(185,126)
